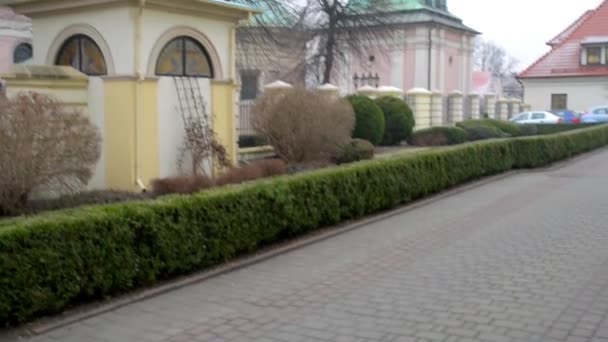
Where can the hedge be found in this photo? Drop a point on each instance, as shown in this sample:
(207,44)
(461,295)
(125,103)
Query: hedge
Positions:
(543,129)
(439,136)
(52,261)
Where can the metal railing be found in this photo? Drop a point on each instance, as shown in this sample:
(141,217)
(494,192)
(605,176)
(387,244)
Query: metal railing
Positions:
(246,118)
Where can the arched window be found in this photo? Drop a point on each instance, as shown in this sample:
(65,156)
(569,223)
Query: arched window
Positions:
(184,56)
(22,53)
(82,53)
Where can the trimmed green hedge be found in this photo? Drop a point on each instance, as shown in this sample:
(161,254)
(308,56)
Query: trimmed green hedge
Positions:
(439,136)
(544,129)
(52,261)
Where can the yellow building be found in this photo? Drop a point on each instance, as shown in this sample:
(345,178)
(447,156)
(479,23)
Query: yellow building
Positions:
(148,61)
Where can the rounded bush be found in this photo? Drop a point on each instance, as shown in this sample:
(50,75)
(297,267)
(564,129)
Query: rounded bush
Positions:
(482,132)
(398,120)
(356,150)
(528,129)
(439,136)
(512,129)
(369,124)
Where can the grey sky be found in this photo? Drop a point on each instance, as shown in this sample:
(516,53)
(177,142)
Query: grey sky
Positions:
(522,27)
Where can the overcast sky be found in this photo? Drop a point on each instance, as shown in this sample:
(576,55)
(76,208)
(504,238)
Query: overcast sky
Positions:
(522,27)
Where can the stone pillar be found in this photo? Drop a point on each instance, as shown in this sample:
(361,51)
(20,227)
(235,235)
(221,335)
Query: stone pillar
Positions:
(368,91)
(277,87)
(436,109)
(390,91)
(455,106)
(329,90)
(502,109)
(474,106)
(419,99)
(490,105)
(514,107)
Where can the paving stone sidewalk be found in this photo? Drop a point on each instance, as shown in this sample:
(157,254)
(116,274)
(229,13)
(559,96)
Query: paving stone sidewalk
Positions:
(521,259)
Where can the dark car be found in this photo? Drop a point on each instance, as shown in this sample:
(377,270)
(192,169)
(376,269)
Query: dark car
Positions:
(567,116)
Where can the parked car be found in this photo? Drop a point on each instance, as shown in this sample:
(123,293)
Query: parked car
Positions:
(536,117)
(567,116)
(596,115)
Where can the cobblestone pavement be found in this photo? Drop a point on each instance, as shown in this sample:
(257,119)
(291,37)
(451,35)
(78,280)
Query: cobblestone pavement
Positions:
(521,259)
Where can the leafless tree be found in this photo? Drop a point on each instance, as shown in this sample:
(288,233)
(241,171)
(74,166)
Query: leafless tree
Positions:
(493,58)
(334,29)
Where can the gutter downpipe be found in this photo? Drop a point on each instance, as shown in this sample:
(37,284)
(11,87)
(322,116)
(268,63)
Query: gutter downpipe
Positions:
(430,57)
(138,104)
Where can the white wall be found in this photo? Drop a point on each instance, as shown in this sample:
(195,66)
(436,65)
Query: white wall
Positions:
(583,92)
(156,23)
(171,125)
(114,24)
(97,115)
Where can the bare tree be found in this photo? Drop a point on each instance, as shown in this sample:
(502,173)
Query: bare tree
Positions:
(334,30)
(493,58)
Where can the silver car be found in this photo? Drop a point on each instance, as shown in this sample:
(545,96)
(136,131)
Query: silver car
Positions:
(596,115)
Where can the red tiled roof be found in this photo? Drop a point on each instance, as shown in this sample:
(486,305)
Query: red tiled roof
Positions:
(565,57)
(565,33)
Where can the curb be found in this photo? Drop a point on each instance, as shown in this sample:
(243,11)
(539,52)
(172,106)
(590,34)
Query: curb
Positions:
(92,310)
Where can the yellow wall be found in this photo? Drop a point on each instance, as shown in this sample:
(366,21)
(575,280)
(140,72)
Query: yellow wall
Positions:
(148,132)
(119,137)
(223,109)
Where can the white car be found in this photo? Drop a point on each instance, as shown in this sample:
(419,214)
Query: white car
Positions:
(536,118)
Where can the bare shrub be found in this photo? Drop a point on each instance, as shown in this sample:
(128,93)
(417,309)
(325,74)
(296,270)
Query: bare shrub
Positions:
(181,185)
(304,126)
(195,183)
(201,151)
(43,146)
(255,170)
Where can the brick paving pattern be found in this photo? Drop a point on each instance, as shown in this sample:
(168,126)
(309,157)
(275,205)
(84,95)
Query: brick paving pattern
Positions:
(521,259)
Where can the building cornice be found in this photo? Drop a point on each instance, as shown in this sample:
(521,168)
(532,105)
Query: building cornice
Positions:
(39,8)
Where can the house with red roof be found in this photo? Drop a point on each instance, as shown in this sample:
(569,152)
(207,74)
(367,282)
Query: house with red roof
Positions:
(574,73)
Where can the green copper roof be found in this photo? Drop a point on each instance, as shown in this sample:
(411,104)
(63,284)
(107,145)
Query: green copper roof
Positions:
(401,5)
(273,12)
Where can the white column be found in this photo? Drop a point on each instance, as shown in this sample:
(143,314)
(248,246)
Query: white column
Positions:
(419,99)
(437,109)
(455,106)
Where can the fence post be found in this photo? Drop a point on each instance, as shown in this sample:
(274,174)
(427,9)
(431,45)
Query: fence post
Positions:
(503,109)
(491,105)
(329,90)
(390,91)
(368,91)
(474,106)
(277,87)
(419,99)
(436,108)
(455,106)
(514,106)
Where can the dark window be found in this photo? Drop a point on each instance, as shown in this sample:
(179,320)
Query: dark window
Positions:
(23,52)
(184,56)
(594,55)
(559,101)
(249,85)
(83,54)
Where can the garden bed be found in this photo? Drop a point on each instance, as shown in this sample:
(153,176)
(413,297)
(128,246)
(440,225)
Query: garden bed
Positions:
(52,261)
